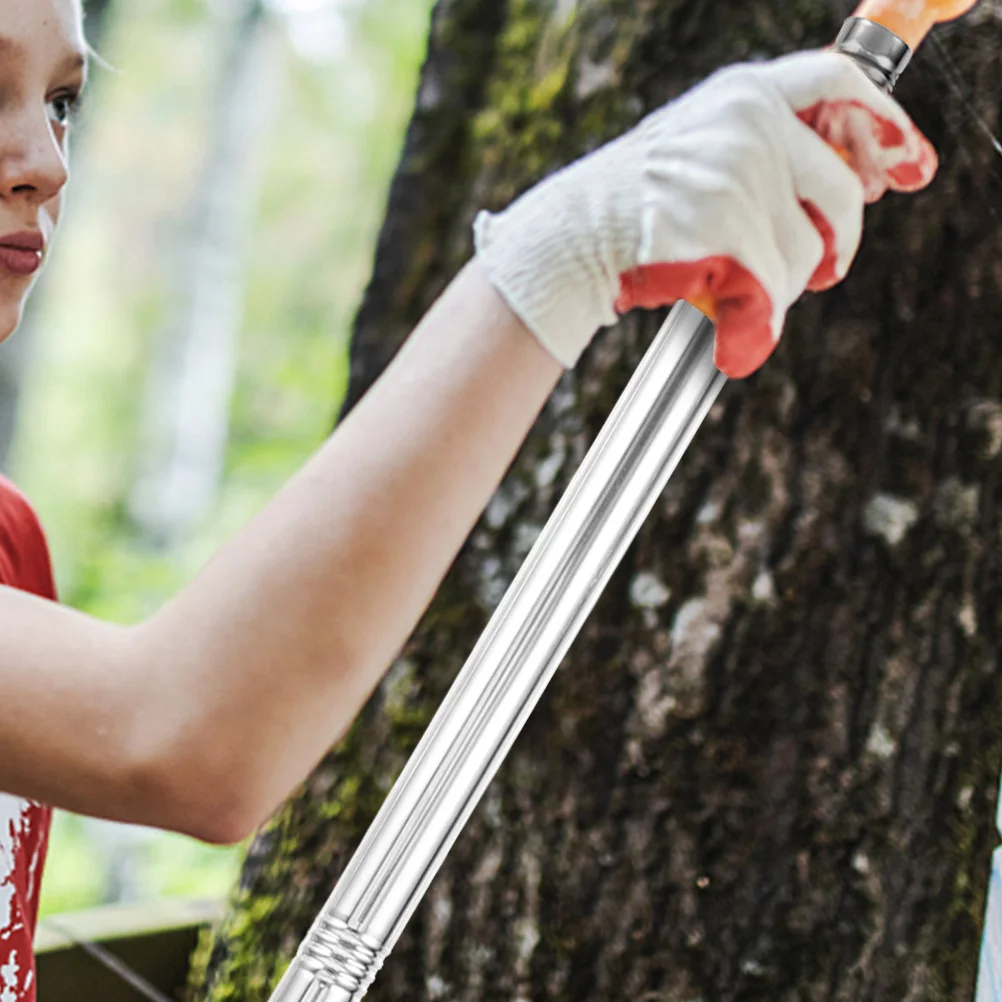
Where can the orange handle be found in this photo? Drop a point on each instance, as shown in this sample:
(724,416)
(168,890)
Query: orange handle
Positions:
(912,20)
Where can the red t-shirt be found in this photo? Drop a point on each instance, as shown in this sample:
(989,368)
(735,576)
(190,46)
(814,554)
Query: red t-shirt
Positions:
(24,824)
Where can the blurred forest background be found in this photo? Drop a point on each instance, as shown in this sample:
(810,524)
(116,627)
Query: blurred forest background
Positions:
(187,348)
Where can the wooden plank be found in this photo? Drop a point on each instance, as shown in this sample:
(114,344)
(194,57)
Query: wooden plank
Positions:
(154,940)
(121,921)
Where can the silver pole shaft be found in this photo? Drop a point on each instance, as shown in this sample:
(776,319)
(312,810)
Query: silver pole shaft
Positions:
(565,572)
(582,543)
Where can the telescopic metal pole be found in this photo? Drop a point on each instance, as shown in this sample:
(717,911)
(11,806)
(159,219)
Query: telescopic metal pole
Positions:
(563,576)
(561,579)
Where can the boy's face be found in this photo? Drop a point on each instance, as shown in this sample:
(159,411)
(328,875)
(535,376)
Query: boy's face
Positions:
(43,65)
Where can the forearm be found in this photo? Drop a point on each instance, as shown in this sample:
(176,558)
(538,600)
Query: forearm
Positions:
(270,653)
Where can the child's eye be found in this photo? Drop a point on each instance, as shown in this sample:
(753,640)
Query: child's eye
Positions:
(65,107)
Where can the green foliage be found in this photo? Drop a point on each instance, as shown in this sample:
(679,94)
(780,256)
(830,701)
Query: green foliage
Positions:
(77,872)
(330,156)
(74,872)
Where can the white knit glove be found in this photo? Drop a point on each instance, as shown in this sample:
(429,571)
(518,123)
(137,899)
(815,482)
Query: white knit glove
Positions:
(732,197)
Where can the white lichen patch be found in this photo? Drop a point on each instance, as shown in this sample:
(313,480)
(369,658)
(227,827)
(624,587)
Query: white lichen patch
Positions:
(430,95)
(439,916)
(880,742)
(653,705)
(957,503)
(909,429)
(435,987)
(490,865)
(526,534)
(399,685)
(547,469)
(504,502)
(889,517)
(694,633)
(968,618)
(498,509)
(694,630)
(490,808)
(493,582)
(526,926)
(764,587)
(708,513)
(731,556)
(564,397)
(986,416)
(964,796)
(441,909)
(647,591)
(750,531)
(526,938)
(594,77)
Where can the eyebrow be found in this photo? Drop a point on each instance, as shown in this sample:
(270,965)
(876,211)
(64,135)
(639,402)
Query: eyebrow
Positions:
(75,59)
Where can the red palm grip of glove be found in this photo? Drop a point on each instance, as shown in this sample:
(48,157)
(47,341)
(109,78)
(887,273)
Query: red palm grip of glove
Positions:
(728,293)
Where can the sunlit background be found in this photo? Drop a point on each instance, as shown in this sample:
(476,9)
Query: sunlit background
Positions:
(187,349)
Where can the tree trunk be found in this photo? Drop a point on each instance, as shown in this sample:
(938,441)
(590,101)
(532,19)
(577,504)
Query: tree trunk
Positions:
(767,769)
(191,379)
(96,15)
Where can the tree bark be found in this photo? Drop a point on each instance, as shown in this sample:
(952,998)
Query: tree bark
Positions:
(768,767)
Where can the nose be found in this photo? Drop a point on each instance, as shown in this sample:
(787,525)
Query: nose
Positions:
(33,165)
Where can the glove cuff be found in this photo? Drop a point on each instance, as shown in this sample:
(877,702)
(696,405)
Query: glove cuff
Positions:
(556,254)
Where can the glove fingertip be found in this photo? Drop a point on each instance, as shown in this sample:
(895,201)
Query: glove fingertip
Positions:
(823,279)
(740,351)
(918,173)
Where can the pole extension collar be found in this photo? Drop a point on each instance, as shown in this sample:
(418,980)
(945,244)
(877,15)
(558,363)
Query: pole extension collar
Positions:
(878,52)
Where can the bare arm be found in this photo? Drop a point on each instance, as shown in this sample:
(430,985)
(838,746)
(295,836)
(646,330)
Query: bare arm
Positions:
(205,717)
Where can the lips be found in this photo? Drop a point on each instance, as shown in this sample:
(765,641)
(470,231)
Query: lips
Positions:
(21,253)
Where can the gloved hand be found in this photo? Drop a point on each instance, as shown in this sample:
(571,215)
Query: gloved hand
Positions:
(731,197)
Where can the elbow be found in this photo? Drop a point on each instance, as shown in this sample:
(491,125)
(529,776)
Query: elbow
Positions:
(213,805)
(216,796)
(193,784)
(224,832)
(217,828)
(186,770)
(193,798)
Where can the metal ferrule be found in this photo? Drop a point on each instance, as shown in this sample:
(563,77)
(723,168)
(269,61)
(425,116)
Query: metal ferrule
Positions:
(601,512)
(334,964)
(880,54)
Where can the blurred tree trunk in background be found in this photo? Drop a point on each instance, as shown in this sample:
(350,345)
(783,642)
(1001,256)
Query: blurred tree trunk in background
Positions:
(768,768)
(193,369)
(96,14)
(16,353)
